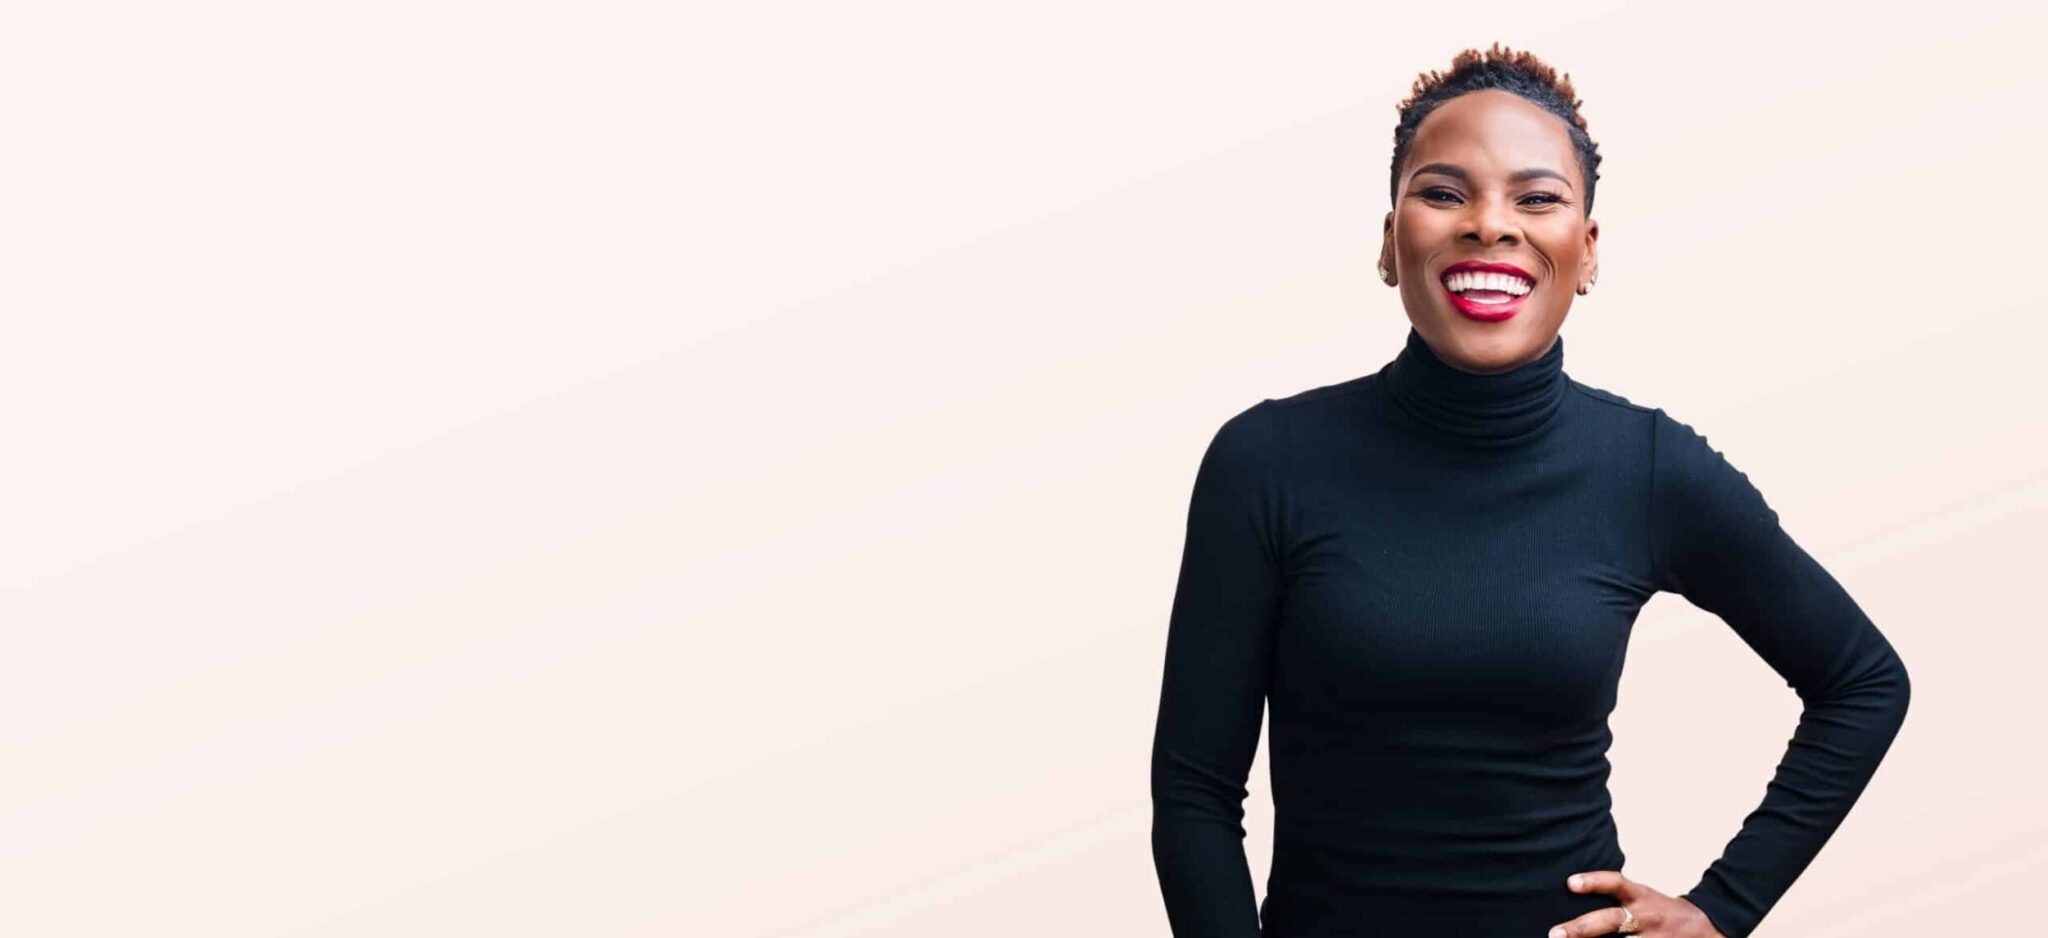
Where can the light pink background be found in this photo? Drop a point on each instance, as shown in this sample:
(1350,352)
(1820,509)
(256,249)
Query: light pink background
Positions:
(484,469)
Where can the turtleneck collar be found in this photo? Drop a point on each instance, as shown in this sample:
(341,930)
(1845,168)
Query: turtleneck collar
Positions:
(1479,410)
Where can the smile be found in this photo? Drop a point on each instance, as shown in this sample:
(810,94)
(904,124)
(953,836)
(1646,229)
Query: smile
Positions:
(1488,292)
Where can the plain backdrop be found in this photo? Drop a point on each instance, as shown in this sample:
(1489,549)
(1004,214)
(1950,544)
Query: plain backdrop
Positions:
(632,470)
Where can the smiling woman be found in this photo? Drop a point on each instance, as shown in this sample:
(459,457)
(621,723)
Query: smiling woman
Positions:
(1499,176)
(1430,573)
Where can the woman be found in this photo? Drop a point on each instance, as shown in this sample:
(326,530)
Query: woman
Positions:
(1431,573)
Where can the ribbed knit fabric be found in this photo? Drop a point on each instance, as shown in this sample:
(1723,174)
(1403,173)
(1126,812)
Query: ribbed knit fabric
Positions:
(1429,577)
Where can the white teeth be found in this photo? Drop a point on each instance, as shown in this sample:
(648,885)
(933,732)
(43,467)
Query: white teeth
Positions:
(1506,283)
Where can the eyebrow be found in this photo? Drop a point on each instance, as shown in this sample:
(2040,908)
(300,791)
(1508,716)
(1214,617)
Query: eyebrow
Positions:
(1521,175)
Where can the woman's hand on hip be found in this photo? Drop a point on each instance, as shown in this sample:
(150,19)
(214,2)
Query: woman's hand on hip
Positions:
(1658,915)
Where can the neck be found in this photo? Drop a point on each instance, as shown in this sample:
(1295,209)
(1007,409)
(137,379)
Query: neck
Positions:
(1480,410)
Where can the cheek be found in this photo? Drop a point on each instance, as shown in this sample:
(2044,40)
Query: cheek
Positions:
(1560,266)
(1418,236)
(1564,246)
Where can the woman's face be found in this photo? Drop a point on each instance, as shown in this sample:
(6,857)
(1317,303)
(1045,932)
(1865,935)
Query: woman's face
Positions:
(1489,177)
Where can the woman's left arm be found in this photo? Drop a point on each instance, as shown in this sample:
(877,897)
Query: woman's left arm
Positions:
(1718,544)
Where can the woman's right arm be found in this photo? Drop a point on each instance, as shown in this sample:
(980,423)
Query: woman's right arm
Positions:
(1219,642)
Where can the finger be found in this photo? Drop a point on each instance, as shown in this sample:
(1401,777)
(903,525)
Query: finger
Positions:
(1607,881)
(1597,922)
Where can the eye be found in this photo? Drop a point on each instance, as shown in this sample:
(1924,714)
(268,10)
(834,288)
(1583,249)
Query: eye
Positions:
(1441,194)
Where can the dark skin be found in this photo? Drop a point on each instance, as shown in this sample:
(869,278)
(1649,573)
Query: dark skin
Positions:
(1537,223)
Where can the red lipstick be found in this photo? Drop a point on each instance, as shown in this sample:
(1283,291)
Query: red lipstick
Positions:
(1487,312)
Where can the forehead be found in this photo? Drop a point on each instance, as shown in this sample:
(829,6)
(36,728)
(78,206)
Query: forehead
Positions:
(1492,132)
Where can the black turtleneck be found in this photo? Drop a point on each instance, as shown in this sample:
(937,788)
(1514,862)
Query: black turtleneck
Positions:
(1488,411)
(1430,576)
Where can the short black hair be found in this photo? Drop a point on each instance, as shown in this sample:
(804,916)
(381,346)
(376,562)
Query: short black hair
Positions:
(1519,72)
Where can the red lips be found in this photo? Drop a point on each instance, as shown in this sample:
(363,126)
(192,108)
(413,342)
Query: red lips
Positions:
(1486,312)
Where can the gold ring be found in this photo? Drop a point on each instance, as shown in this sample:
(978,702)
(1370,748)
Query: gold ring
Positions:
(1629,926)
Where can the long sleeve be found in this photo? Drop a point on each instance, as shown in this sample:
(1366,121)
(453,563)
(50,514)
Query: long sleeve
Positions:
(1717,543)
(1219,639)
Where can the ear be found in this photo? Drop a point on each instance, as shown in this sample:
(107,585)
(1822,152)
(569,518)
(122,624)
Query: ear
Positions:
(1387,251)
(1592,250)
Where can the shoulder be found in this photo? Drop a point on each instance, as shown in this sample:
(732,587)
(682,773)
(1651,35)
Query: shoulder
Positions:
(1608,398)
(1692,482)
(1673,441)
(1326,394)
(1611,422)
(1250,442)
(1270,422)
(1697,486)
(1685,455)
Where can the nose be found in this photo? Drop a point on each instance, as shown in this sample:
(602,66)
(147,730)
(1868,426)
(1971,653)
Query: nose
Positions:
(1490,220)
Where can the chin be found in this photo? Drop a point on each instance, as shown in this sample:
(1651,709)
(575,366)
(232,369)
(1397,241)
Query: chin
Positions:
(1489,346)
